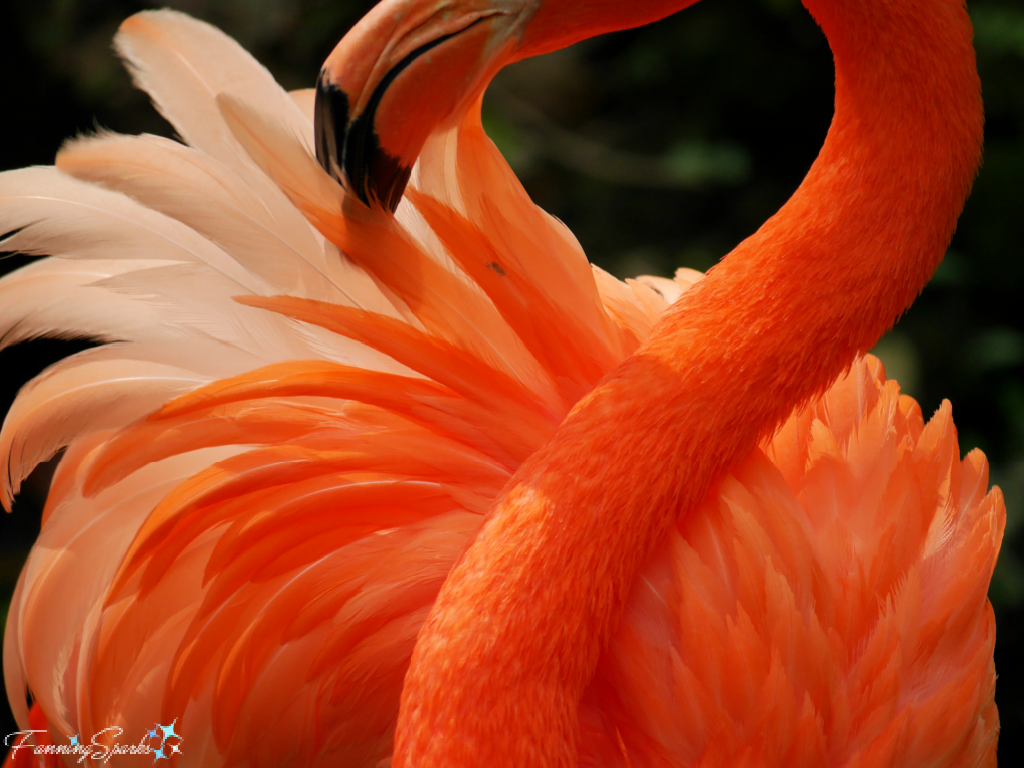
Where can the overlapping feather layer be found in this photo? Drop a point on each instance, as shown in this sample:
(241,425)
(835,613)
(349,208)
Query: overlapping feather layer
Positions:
(826,607)
(306,407)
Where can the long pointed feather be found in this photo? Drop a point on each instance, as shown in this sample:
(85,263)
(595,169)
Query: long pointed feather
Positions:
(210,198)
(58,297)
(51,213)
(447,304)
(184,64)
(80,395)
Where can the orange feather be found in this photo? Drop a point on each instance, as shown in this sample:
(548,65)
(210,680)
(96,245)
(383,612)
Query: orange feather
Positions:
(601,529)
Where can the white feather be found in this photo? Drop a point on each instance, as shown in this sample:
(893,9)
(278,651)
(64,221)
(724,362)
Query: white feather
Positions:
(206,195)
(57,297)
(83,394)
(196,302)
(70,298)
(51,213)
(68,574)
(305,100)
(290,164)
(184,64)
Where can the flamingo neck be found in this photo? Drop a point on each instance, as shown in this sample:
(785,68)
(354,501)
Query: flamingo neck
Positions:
(557,24)
(516,632)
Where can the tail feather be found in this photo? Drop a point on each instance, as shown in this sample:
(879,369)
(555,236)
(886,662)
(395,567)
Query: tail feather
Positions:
(430,356)
(565,348)
(66,578)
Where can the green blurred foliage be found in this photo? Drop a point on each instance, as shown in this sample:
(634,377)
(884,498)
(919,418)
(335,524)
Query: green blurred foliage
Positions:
(659,147)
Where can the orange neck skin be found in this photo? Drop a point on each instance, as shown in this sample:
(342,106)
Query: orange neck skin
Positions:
(516,633)
(557,24)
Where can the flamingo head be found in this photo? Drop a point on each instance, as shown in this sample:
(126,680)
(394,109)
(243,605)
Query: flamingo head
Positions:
(411,67)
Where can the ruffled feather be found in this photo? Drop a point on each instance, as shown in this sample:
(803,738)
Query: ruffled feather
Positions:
(311,405)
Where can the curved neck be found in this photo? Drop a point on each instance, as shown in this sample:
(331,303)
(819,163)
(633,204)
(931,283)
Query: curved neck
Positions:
(557,24)
(517,630)
(876,211)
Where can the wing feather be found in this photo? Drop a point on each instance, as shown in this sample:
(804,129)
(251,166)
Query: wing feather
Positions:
(49,213)
(184,64)
(83,394)
(58,297)
(197,190)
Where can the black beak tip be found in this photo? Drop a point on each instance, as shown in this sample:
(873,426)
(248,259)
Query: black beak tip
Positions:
(387,179)
(330,122)
(350,151)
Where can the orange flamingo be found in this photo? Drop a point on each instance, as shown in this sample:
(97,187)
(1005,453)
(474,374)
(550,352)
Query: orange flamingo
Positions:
(715,535)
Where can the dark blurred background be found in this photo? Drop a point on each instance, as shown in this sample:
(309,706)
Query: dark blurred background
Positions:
(660,147)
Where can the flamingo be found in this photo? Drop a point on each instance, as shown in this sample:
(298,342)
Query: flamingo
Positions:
(376,469)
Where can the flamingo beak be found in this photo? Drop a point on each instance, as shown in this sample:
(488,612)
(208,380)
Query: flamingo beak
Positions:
(408,68)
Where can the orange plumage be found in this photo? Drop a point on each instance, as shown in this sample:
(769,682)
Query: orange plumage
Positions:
(312,406)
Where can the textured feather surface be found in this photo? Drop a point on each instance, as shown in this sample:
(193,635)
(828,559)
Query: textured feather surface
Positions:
(184,64)
(809,615)
(54,214)
(90,392)
(206,195)
(269,478)
(58,296)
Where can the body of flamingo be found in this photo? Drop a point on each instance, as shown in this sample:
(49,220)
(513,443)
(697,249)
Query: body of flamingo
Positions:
(676,522)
